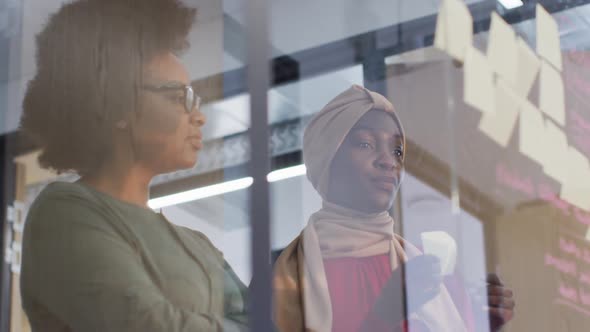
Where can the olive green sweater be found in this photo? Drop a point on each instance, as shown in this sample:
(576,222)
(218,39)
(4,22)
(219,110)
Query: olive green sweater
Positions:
(94,263)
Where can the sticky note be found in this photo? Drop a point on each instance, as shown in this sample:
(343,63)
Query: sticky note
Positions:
(500,124)
(548,46)
(551,93)
(478,81)
(556,152)
(528,65)
(576,187)
(454,28)
(531,132)
(576,192)
(502,49)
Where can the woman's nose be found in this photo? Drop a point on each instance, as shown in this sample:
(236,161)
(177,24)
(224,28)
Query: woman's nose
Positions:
(387,161)
(198,118)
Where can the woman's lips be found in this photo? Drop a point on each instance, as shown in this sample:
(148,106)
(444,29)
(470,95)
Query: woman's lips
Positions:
(387,183)
(195,142)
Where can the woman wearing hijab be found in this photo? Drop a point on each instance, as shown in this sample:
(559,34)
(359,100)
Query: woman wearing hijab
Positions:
(347,270)
(112,102)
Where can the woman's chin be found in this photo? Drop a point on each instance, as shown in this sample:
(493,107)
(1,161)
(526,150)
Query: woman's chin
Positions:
(383,201)
(186,163)
(191,163)
(376,205)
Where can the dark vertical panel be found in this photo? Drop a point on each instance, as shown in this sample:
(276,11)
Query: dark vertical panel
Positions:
(8,177)
(258,80)
(10,72)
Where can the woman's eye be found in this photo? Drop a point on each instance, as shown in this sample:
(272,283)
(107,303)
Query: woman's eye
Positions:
(398,152)
(365,145)
(176,99)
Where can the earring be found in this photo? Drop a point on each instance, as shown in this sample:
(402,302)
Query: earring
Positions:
(121,124)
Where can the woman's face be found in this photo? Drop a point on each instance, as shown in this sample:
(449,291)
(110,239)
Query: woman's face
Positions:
(367,169)
(166,136)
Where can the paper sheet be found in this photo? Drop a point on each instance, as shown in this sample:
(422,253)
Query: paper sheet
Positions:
(528,65)
(478,81)
(502,49)
(551,93)
(576,195)
(556,152)
(444,247)
(548,46)
(454,29)
(532,132)
(576,188)
(500,124)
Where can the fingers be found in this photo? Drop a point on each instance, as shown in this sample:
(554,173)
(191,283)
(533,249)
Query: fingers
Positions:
(499,314)
(501,302)
(424,268)
(499,291)
(493,279)
(422,279)
(499,296)
(424,263)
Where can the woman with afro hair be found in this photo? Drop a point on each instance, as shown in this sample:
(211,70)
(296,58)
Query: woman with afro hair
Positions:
(112,102)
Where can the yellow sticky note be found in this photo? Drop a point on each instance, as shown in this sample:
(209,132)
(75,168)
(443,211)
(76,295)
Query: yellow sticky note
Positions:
(500,124)
(551,93)
(528,65)
(556,152)
(576,187)
(454,28)
(531,132)
(502,49)
(548,46)
(478,81)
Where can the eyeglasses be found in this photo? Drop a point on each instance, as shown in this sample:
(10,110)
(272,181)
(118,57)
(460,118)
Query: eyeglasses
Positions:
(191,100)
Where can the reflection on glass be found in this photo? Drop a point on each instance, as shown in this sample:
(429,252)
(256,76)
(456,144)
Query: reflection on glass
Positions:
(519,171)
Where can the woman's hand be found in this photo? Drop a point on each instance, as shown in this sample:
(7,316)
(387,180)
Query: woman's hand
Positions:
(422,281)
(501,303)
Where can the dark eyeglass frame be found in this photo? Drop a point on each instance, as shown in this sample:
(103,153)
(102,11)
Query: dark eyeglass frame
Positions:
(192,101)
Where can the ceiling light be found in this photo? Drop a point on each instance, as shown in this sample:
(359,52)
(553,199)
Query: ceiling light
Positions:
(222,188)
(510,4)
(199,193)
(286,173)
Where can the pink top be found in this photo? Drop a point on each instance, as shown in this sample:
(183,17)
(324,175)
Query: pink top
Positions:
(355,284)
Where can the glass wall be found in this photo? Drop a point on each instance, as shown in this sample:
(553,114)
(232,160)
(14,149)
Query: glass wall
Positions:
(275,165)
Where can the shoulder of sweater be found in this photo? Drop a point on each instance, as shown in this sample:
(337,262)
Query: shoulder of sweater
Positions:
(63,192)
(63,204)
(198,236)
(65,189)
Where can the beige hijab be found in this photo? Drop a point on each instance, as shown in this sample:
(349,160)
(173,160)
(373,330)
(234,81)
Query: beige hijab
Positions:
(302,299)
